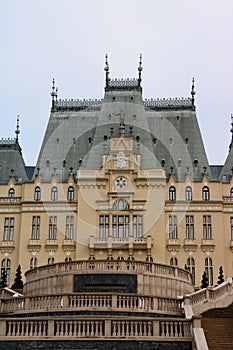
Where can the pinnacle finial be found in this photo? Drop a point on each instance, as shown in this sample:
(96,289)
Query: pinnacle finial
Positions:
(193,92)
(17,131)
(106,68)
(54,94)
(140,69)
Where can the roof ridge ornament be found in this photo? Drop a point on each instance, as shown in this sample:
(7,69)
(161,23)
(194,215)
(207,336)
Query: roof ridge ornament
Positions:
(17,131)
(193,93)
(140,70)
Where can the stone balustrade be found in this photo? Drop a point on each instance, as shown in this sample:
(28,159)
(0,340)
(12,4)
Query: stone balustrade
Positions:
(93,301)
(62,327)
(105,265)
(208,298)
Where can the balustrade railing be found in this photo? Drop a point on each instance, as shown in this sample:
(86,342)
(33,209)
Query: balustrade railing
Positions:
(76,328)
(105,265)
(210,294)
(105,301)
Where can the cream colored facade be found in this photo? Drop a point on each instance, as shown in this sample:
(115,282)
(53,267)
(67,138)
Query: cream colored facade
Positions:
(118,178)
(112,213)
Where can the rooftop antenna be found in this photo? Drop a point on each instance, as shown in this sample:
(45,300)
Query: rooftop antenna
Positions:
(193,93)
(106,70)
(140,70)
(17,131)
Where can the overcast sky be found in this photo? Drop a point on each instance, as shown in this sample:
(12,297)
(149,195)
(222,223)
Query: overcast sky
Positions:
(67,40)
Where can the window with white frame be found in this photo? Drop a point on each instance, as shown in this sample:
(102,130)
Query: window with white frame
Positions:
(191,268)
(120,226)
(103,226)
(52,227)
(137,226)
(6,267)
(8,234)
(173,232)
(69,227)
(188,193)
(189,227)
(207,228)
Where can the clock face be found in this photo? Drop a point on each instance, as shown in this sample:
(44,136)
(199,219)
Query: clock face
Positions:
(121,182)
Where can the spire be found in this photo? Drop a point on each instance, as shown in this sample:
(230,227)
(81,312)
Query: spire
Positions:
(17,131)
(140,70)
(54,95)
(106,70)
(231,130)
(193,93)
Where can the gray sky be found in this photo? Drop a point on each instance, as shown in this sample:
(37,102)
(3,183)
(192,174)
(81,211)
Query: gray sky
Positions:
(67,40)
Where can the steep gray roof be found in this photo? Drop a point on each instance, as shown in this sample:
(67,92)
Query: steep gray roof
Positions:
(11,161)
(165,131)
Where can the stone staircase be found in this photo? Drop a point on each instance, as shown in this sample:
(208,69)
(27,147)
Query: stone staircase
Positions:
(218,333)
(218,328)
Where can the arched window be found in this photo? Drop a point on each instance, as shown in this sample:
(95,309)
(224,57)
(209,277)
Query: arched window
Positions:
(68,258)
(191,268)
(188,193)
(6,265)
(120,204)
(54,193)
(205,193)
(33,263)
(173,262)
(50,261)
(11,193)
(70,193)
(209,270)
(231,192)
(172,193)
(37,193)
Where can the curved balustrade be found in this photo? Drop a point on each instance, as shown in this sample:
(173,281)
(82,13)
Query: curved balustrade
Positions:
(81,301)
(106,265)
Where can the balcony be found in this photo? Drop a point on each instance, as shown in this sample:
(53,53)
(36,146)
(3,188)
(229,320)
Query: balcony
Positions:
(120,243)
(51,244)
(34,244)
(10,200)
(207,245)
(7,246)
(173,244)
(68,244)
(190,245)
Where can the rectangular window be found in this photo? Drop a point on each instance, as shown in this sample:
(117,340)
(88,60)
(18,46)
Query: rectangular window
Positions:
(69,227)
(52,227)
(35,227)
(137,226)
(8,229)
(173,233)
(120,226)
(207,229)
(189,227)
(103,226)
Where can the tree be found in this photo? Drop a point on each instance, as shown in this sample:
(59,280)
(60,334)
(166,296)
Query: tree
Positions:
(204,281)
(3,281)
(18,282)
(220,276)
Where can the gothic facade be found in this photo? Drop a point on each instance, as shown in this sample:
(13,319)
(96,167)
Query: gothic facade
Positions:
(121,178)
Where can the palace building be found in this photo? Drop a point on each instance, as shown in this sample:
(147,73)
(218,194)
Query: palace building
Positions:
(118,178)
